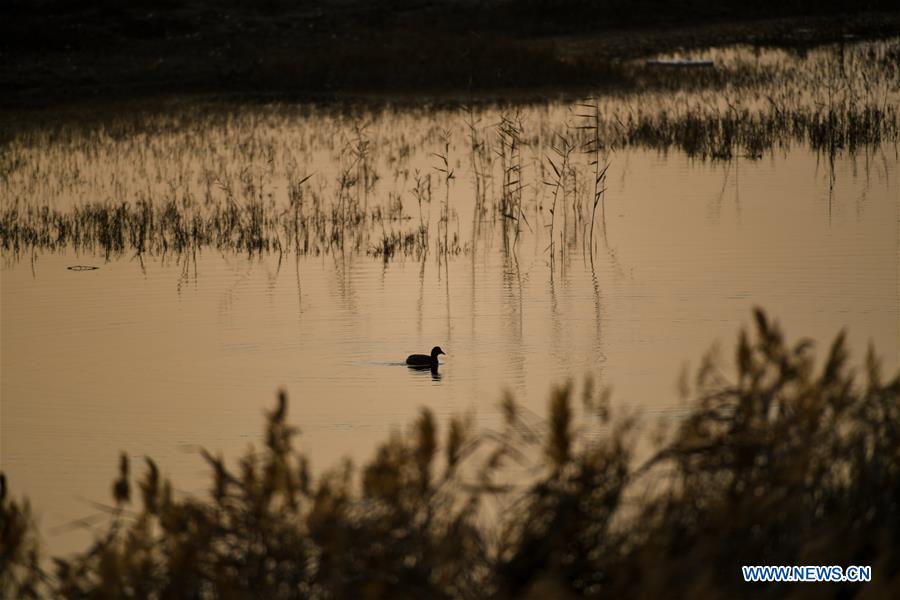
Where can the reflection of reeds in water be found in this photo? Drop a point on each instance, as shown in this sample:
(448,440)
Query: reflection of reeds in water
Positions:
(785,462)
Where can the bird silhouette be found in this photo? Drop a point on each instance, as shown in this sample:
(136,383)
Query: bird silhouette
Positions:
(425,360)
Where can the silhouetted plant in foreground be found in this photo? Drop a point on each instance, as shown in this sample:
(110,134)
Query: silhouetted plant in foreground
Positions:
(19,569)
(786,464)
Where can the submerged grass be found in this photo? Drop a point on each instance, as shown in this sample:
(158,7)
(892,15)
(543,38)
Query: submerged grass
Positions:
(786,462)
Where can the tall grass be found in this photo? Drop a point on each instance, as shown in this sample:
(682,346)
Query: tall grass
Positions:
(509,137)
(789,460)
(562,173)
(596,150)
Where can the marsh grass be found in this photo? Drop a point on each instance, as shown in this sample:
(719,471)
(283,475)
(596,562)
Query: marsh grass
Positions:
(559,184)
(597,153)
(509,136)
(789,460)
(276,178)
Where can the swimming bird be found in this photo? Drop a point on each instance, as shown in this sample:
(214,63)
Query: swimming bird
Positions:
(424,360)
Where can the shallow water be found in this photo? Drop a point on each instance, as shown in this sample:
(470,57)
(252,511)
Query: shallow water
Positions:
(161,355)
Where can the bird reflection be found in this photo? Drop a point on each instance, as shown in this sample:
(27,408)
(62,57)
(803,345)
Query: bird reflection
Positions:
(433,369)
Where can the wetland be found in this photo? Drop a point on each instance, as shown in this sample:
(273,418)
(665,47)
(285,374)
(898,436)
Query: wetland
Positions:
(167,264)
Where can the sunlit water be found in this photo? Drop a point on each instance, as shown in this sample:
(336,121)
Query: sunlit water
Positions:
(161,354)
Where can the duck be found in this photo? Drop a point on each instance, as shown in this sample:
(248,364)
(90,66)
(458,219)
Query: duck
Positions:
(424,360)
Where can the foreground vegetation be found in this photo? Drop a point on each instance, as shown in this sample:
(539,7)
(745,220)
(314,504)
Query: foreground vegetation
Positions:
(792,461)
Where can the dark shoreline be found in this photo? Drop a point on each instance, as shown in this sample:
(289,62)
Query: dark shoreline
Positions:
(354,60)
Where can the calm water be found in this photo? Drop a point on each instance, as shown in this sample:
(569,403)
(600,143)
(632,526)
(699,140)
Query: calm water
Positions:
(159,355)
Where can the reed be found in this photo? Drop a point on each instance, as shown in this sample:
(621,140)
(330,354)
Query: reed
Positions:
(509,135)
(448,175)
(479,161)
(594,148)
(562,171)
